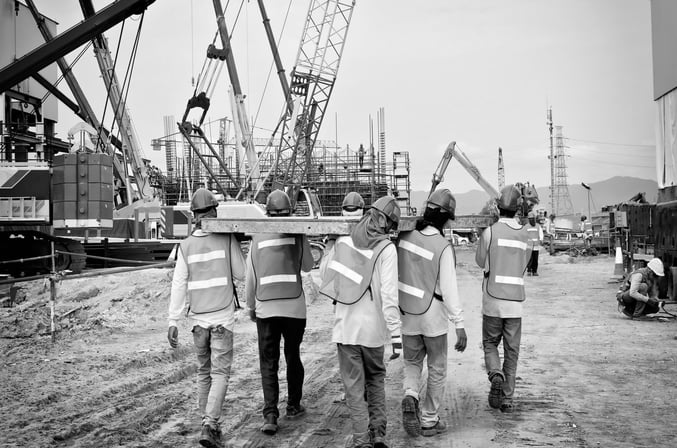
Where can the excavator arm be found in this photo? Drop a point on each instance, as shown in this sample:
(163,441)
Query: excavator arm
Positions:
(451,152)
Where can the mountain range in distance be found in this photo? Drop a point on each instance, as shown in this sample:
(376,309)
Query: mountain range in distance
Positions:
(607,192)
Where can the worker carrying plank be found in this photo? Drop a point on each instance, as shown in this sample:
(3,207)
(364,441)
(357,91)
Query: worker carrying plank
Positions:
(206,265)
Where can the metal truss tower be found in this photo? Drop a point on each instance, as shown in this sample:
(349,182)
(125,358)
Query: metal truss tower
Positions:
(561,199)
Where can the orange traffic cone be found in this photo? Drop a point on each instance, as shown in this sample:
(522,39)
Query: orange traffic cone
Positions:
(619,271)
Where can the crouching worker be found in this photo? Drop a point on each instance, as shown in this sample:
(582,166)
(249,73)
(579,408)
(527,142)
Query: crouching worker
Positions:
(206,265)
(638,294)
(359,274)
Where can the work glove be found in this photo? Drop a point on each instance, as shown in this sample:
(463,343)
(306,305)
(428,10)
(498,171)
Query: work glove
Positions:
(252,315)
(173,336)
(461,340)
(396,341)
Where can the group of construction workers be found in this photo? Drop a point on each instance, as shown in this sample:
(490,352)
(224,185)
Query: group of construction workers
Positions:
(400,293)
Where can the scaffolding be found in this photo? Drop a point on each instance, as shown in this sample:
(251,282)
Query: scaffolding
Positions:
(333,171)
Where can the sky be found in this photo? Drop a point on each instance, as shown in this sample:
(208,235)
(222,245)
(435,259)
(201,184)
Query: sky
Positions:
(482,73)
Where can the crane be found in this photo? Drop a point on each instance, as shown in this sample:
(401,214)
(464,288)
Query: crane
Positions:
(312,81)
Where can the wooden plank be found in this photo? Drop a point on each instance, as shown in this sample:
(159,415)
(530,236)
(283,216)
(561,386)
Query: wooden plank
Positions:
(325,225)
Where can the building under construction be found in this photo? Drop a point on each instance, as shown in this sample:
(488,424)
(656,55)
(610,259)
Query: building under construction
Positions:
(331,173)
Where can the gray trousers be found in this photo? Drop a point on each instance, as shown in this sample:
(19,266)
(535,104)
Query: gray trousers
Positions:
(363,373)
(214,349)
(510,331)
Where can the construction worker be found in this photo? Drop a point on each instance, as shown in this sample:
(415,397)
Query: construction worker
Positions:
(206,266)
(359,273)
(638,293)
(503,252)
(276,302)
(428,298)
(535,239)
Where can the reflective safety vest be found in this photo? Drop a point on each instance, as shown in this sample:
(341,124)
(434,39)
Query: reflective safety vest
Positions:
(348,274)
(625,286)
(276,259)
(210,284)
(418,267)
(534,239)
(507,262)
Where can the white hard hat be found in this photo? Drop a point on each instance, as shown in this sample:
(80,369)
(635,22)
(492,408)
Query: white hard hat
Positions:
(656,265)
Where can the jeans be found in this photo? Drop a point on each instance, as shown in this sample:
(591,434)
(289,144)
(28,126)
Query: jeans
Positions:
(510,330)
(532,266)
(364,373)
(214,356)
(270,331)
(415,348)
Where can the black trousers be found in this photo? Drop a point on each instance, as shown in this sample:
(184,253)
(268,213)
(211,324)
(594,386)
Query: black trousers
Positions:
(532,265)
(270,332)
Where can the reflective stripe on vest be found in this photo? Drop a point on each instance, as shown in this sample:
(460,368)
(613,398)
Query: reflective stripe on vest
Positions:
(276,259)
(348,274)
(533,236)
(209,272)
(507,262)
(418,262)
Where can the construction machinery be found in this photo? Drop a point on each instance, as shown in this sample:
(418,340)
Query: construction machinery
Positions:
(44,189)
(529,193)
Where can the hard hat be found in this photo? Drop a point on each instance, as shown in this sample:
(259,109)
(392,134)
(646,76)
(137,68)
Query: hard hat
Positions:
(353,200)
(531,215)
(442,199)
(388,206)
(278,202)
(656,265)
(510,198)
(202,199)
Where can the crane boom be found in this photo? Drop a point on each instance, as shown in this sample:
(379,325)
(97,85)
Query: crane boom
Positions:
(312,82)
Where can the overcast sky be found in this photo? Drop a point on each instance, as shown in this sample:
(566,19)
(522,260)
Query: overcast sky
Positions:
(480,72)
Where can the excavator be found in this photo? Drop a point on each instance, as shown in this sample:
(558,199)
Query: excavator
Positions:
(529,193)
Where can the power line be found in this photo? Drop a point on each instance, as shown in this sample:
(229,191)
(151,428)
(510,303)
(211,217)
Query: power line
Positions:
(609,143)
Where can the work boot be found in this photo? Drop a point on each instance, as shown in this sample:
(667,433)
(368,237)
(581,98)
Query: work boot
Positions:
(496,391)
(507,406)
(294,412)
(379,442)
(411,416)
(534,274)
(269,425)
(438,428)
(210,437)
(639,309)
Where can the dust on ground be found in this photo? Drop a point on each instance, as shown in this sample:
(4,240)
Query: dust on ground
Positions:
(587,376)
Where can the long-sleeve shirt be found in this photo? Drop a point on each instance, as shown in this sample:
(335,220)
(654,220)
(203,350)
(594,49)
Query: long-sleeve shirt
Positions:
(435,321)
(490,305)
(372,320)
(179,294)
(295,308)
(635,281)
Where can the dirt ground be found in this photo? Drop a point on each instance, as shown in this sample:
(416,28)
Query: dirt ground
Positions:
(587,377)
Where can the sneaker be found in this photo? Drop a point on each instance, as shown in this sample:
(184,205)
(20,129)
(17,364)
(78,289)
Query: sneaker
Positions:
(269,425)
(295,411)
(411,416)
(507,406)
(210,437)
(496,391)
(430,431)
